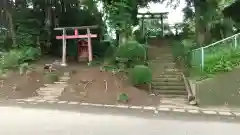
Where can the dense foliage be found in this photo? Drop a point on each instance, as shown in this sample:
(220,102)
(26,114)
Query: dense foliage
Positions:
(27,27)
(140,74)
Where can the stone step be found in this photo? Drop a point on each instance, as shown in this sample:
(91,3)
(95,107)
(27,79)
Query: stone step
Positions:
(66,74)
(169,79)
(51,89)
(171,65)
(168,83)
(43,93)
(55,85)
(163,96)
(170,92)
(64,78)
(60,82)
(172,70)
(164,53)
(169,87)
(163,60)
(52,98)
(169,76)
(174,101)
(168,73)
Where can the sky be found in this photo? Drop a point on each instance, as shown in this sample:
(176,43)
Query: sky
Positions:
(174,16)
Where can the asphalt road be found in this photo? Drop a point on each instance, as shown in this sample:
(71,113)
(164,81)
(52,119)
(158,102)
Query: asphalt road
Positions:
(40,121)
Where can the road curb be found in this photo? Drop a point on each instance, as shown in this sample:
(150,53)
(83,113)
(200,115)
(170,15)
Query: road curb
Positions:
(156,110)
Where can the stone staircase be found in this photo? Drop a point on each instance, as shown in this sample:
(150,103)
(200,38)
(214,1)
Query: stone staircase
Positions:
(51,92)
(167,79)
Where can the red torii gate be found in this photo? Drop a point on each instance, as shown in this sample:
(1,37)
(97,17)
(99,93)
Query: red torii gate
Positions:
(76,36)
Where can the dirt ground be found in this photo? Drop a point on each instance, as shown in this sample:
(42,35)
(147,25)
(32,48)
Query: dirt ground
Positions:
(15,86)
(96,90)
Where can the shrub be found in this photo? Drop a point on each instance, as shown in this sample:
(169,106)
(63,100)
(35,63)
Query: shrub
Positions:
(132,53)
(222,62)
(15,57)
(140,74)
(123,97)
(29,54)
(10,59)
(131,50)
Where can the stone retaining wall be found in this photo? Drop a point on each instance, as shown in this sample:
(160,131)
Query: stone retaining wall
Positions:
(222,90)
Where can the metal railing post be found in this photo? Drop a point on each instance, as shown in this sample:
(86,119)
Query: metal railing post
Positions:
(202,58)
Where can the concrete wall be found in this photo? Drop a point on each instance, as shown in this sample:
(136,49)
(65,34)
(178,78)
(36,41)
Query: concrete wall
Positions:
(221,90)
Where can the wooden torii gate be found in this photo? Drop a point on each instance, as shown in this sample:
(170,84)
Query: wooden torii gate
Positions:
(87,36)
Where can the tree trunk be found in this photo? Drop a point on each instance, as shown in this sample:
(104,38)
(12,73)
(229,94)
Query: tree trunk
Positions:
(198,29)
(7,8)
(11,27)
(202,31)
(48,22)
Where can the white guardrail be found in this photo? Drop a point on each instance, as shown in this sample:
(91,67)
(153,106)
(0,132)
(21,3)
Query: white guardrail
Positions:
(234,37)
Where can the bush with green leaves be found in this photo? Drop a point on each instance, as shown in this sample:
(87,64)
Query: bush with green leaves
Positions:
(10,59)
(223,61)
(29,54)
(123,97)
(131,53)
(15,57)
(140,74)
(131,50)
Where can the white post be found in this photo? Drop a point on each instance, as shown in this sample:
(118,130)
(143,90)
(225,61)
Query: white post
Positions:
(202,58)
(64,48)
(235,41)
(162,25)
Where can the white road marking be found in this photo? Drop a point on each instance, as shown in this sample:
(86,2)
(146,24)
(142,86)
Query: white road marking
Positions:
(193,111)
(163,109)
(62,102)
(149,108)
(73,103)
(209,112)
(121,106)
(178,110)
(135,107)
(225,113)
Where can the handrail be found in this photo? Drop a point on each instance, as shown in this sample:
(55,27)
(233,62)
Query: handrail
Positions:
(217,42)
